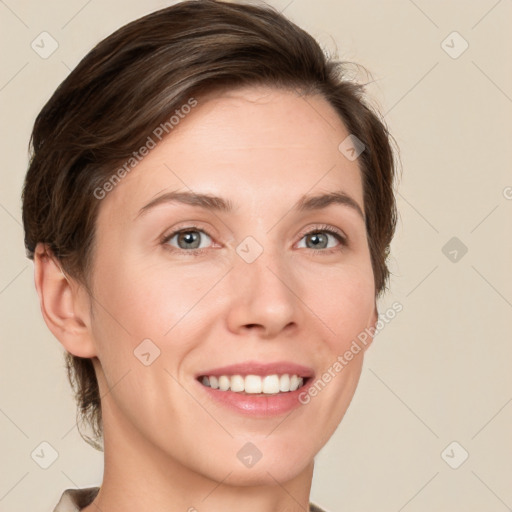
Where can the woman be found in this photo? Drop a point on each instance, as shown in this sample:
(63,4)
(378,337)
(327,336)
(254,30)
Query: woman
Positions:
(209,207)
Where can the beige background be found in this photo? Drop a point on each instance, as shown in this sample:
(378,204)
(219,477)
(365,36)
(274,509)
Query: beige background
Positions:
(439,372)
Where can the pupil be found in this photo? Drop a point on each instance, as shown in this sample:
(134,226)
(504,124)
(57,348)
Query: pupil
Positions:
(190,237)
(318,237)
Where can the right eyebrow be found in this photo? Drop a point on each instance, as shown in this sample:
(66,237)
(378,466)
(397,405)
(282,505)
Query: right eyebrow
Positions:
(207,201)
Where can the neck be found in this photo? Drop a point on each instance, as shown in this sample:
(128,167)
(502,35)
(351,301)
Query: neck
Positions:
(140,476)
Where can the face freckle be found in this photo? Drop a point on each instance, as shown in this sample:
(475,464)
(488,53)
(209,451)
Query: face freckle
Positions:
(256,292)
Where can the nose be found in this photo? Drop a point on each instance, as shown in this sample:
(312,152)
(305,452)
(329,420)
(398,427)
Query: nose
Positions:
(264,297)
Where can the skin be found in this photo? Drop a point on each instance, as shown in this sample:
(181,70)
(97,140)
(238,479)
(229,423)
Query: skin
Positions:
(167,445)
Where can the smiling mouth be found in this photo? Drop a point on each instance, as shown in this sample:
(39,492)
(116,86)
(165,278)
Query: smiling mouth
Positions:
(255,384)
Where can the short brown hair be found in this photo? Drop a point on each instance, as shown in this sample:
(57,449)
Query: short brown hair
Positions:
(132,81)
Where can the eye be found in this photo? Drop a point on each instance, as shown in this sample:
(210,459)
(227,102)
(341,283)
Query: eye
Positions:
(318,239)
(191,240)
(188,239)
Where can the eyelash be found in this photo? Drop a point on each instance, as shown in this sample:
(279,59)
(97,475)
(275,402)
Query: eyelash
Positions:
(198,252)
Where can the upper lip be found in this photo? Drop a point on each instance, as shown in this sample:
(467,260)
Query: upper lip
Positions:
(260,368)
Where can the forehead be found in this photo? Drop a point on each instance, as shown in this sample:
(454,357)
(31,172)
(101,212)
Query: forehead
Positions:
(253,145)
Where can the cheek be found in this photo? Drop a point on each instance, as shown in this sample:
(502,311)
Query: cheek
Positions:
(344,302)
(139,301)
(352,308)
(157,312)
(149,300)
(140,313)
(343,299)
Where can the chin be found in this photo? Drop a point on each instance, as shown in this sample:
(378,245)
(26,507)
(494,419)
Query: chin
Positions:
(263,474)
(265,461)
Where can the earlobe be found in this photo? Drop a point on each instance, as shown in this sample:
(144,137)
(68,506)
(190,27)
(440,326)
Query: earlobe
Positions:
(63,304)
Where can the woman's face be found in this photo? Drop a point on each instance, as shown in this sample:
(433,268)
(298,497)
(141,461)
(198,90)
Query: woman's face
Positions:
(252,279)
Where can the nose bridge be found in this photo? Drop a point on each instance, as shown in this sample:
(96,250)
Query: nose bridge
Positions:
(262,287)
(265,268)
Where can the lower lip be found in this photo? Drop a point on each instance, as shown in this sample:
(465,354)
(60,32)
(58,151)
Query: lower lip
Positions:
(259,405)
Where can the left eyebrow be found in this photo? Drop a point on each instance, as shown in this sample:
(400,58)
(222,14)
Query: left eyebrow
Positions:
(317,202)
(216,203)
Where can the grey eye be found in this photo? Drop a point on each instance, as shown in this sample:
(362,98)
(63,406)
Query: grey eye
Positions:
(319,239)
(188,239)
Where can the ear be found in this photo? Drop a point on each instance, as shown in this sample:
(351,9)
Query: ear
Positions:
(65,304)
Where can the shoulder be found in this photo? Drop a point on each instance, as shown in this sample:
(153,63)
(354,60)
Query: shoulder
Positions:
(315,508)
(73,500)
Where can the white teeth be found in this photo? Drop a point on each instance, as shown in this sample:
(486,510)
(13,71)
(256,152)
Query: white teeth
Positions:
(253,384)
(294,383)
(284,382)
(237,383)
(214,382)
(270,384)
(224,383)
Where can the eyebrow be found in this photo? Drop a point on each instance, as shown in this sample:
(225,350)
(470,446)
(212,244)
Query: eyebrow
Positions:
(216,203)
